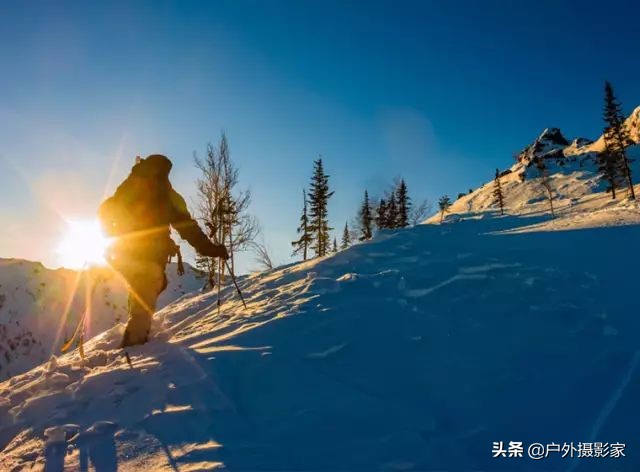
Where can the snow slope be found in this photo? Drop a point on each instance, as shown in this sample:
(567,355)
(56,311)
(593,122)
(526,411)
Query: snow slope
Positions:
(633,126)
(34,300)
(580,199)
(414,351)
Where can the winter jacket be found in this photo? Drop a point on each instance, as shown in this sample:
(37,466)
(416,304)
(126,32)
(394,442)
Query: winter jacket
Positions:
(142,210)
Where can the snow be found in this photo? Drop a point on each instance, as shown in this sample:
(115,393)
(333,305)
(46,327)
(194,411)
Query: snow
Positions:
(371,359)
(34,300)
(413,351)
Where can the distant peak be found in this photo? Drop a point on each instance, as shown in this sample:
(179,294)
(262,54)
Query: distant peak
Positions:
(554,136)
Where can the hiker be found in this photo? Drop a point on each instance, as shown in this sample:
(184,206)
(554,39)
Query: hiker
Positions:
(138,216)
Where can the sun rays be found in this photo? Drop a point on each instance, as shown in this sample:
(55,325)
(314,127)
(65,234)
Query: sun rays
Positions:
(83,244)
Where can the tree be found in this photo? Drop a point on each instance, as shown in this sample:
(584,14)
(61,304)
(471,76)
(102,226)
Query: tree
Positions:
(392,211)
(545,182)
(616,135)
(318,200)
(302,244)
(420,212)
(444,203)
(221,207)
(346,237)
(609,170)
(498,197)
(335,245)
(381,214)
(365,219)
(404,205)
(263,256)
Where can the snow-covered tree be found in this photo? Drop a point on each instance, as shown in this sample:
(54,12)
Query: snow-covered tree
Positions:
(616,135)
(498,196)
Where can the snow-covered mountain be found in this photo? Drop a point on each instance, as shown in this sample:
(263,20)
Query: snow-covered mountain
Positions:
(633,126)
(579,193)
(39,307)
(417,350)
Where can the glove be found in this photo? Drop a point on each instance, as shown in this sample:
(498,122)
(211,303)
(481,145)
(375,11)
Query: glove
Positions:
(216,250)
(224,255)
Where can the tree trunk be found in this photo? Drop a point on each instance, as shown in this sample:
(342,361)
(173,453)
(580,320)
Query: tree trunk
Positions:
(627,172)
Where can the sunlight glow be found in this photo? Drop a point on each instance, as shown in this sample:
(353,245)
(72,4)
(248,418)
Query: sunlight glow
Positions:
(83,244)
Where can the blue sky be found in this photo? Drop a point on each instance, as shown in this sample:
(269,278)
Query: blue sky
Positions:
(441,93)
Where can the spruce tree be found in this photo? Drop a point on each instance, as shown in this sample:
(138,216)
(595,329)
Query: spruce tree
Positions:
(318,200)
(346,237)
(617,136)
(365,219)
(608,168)
(444,203)
(302,244)
(404,205)
(381,214)
(335,245)
(392,211)
(497,193)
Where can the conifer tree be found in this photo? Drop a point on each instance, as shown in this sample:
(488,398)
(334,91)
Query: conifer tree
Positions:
(444,203)
(318,200)
(365,219)
(608,168)
(335,245)
(617,136)
(497,193)
(381,214)
(392,211)
(404,205)
(302,244)
(346,237)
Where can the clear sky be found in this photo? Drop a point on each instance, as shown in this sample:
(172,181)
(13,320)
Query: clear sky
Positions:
(441,93)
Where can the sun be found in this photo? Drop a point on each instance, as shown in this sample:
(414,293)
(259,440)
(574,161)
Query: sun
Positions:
(83,244)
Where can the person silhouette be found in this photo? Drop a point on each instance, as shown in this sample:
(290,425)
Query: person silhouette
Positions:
(139,217)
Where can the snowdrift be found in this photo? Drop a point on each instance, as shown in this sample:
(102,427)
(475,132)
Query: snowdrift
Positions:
(414,351)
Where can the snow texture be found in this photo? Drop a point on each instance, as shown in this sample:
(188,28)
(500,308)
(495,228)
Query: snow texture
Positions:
(413,351)
(39,307)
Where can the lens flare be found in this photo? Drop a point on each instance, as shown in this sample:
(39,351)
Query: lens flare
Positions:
(83,244)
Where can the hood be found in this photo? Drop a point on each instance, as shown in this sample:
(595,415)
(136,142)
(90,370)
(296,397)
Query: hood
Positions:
(155,165)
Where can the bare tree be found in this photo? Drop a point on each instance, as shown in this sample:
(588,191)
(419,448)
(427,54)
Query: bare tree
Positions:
(420,212)
(222,207)
(545,181)
(263,255)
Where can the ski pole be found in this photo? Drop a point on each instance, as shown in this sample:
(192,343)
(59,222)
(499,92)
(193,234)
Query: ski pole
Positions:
(233,278)
(218,284)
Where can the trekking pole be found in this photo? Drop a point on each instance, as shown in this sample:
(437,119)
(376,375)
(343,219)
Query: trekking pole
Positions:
(233,278)
(218,284)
